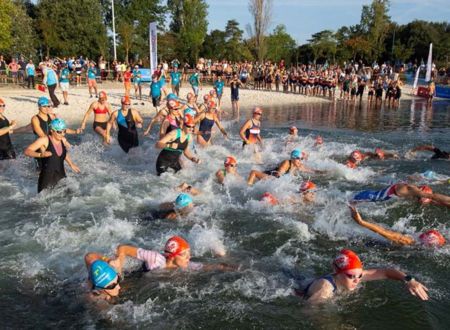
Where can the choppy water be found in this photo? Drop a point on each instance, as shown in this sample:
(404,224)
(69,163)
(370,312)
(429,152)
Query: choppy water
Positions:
(44,237)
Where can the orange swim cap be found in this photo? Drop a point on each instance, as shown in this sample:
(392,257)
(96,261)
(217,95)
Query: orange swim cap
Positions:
(347,260)
(379,152)
(269,198)
(427,190)
(126,100)
(357,155)
(189,121)
(307,185)
(102,95)
(350,164)
(432,238)
(230,160)
(293,128)
(174,246)
(258,111)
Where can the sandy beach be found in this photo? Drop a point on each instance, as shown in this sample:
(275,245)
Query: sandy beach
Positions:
(22,103)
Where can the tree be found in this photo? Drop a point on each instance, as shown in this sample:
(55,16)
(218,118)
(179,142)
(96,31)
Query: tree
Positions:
(22,31)
(6,40)
(261,11)
(324,45)
(280,45)
(126,33)
(235,49)
(215,45)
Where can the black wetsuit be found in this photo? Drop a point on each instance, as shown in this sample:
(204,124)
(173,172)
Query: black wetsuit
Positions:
(205,128)
(6,147)
(128,136)
(52,169)
(439,154)
(170,158)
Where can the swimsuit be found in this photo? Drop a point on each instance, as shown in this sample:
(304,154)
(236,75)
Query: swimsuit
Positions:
(205,128)
(169,157)
(128,136)
(52,168)
(375,195)
(252,133)
(6,147)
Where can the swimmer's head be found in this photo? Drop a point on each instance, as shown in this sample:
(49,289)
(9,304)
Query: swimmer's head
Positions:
(190,96)
(183,200)
(293,130)
(206,98)
(189,121)
(296,154)
(257,111)
(58,125)
(230,161)
(429,175)
(2,103)
(307,189)
(319,140)
(173,104)
(379,152)
(104,277)
(171,96)
(428,190)
(189,112)
(102,95)
(212,92)
(357,156)
(125,100)
(348,269)
(211,105)
(43,102)
(269,198)
(432,238)
(178,250)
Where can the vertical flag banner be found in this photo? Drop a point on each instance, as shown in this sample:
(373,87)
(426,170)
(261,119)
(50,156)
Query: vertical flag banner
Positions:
(416,79)
(429,63)
(153,42)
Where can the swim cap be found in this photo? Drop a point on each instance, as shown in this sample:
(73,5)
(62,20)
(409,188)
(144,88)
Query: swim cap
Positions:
(189,120)
(43,101)
(296,154)
(307,185)
(190,112)
(101,274)
(432,238)
(269,198)
(211,104)
(257,111)
(171,96)
(173,104)
(174,246)
(293,128)
(357,155)
(230,160)
(212,92)
(427,190)
(379,152)
(102,95)
(429,174)
(347,260)
(350,164)
(58,124)
(126,100)
(182,201)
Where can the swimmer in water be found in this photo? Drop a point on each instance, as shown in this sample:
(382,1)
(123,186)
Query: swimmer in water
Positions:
(102,113)
(268,198)
(53,152)
(349,274)
(250,133)
(318,141)
(293,135)
(438,153)
(430,238)
(357,157)
(6,128)
(104,278)
(230,164)
(288,166)
(207,120)
(182,206)
(186,188)
(423,194)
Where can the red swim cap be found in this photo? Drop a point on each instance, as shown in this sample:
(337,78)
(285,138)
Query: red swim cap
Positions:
(347,260)
(350,164)
(211,104)
(258,111)
(126,100)
(432,238)
(293,128)
(357,155)
(379,152)
(189,121)
(427,190)
(307,185)
(102,95)
(269,198)
(173,104)
(230,160)
(174,246)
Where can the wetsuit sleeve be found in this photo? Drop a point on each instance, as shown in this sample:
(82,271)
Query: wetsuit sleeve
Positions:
(152,259)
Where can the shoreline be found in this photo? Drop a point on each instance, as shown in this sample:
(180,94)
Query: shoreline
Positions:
(21,103)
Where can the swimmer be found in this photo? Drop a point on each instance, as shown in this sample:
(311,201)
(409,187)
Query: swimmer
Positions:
(155,92)
(288,166)
(128,120)
(438,153)
(348,275)
(172,102)
(430,238)
(423,194)
(104,279)
(6,128)
(137,78)
(174,144)
(186,188)
(102,113)
(318,141)
(268,198)
(293,135)
(357,157)
(91,76)
(250,133)
(182,206)
(53,153)
(308,192)
(174,120)
(230,164)
(207,120)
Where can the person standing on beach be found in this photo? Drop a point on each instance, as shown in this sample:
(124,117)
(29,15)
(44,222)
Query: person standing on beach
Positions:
(31,72)
(155,92)
(137,75)
(175,80)
(64,83)
(218,87)
(127,80)
(91,76)
(194,80)
(51,81)
(235,84)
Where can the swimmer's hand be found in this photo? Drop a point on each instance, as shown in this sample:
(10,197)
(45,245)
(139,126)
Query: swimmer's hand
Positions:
(116,264)
(417,289)
(146,132)
(139,125)
(75,168)
(355,214)
(12,124)
(196,160)
(45,154)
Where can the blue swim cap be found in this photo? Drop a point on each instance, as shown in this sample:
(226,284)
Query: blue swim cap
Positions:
(101,274)
(429,174)
(296,154)
(182,201)
(43,101)
(189,111)
(58,124)
(171,96)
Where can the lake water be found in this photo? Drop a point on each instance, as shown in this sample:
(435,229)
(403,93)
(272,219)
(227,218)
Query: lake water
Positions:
(44,237)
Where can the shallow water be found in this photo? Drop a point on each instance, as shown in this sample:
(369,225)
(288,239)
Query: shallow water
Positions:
(44,237)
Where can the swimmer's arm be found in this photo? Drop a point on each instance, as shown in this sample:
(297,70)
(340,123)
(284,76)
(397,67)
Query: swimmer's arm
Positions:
(189,155)
(386,233)
(86,115)
(122,252)
(162,143)
(217,121)
(199,117)
(109,125)
(222,266)
(158,116)
(137,118)
(72,165)
(219,176)
(90,257)
(8,129)
(243,129)
(320,291)
(163,128)
(41,142)
(423,148)
(282,168)
(73,131)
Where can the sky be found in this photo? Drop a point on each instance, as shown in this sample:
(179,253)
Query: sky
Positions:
(303,18)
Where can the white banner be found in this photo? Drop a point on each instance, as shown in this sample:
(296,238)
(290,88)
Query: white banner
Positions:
(416,79)
(153,43)
(430,56)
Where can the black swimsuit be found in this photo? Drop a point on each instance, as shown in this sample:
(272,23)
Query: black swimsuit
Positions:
(439,154)
(170,158)
(128,136)
(205,128)
(6,147)
(52,169)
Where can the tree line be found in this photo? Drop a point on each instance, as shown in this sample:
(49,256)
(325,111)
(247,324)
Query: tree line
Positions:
(83,27)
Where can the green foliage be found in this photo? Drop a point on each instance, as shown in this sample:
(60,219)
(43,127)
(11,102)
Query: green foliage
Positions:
(6,40)
(280,45)
(324,46)
(22,31)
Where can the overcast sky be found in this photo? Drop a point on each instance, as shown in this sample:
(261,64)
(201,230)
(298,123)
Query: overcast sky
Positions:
(305,17)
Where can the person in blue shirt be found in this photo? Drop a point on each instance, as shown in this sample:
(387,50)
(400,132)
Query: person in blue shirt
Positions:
(137,75)
(31,72)
(91,75)
(218,86)
(64,79)
(194,80)
(51,81)
(155,92)
(175,78)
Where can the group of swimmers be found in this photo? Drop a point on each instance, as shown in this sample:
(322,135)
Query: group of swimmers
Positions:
(179,119)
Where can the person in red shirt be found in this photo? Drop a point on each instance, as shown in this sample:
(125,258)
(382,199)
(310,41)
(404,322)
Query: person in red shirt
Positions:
(127,80)
(14,69)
